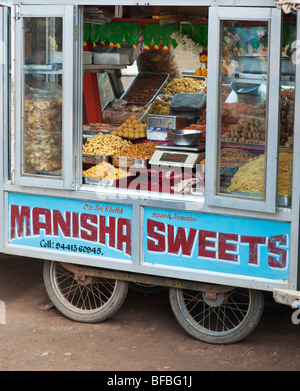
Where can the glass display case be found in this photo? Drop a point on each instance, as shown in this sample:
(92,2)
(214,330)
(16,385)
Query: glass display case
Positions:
(44,121)
(247,61)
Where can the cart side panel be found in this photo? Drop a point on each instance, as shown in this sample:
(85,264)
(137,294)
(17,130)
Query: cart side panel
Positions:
(159,242)
(216,243)
(70,226)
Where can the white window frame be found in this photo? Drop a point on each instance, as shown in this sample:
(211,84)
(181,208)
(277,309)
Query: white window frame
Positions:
(67,179)
(273,17)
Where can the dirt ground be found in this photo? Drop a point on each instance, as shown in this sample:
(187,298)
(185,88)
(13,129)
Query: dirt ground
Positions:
(142,336)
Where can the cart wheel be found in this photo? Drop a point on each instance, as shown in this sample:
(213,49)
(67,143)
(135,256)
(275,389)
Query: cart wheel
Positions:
(147,289)
(90,300)
(228,318)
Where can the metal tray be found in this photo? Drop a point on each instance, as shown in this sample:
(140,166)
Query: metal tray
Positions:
(188,102)
(192,76)
(140,76)
(167,121)
(228,171)
(282,201)
(259,64)
(97,181)
(120,183)
(95,159)
(253,64)
(124,161)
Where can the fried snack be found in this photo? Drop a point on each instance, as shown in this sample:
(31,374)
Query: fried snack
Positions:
(104,145)
(250,177)
(138,151)
(235,157)
(105,170)
(43,138)
(184,85)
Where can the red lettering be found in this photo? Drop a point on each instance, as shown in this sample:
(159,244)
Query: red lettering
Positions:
(253,242)
(86,222)
(124,237)
(180,240)
(37,224)
(158,242)
(63,223)
(110,230)
(203,243)
(224,246)
(75,224)
(279,257)
(18,219)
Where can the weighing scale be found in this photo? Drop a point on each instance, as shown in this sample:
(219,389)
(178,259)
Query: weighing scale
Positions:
(178,156)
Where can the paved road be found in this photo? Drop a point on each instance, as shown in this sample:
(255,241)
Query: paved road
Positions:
(142,336)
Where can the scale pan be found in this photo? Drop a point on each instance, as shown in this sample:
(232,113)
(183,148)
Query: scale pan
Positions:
(185,137)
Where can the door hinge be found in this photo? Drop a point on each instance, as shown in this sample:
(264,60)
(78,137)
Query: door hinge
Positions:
(17,14)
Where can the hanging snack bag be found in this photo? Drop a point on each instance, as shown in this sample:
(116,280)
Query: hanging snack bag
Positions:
(43,128)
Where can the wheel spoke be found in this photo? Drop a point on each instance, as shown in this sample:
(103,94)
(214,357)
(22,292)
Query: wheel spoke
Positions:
(89,296)
(222,318)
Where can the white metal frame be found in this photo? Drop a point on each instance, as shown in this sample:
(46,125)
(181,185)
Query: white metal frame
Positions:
(138,201)
(273,17)
(4,114)
(66,181)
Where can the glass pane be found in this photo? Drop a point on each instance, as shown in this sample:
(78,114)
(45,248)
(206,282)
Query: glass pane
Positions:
(287,112)
(243,118)
(42,129)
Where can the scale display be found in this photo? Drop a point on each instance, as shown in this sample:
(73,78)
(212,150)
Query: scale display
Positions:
(175,158)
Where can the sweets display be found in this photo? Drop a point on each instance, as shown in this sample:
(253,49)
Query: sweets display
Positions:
(131,128)
(138,151)
(250,178)
(159,107)
(104,145)
(235,157)
(184,85)
(144,88)
(105,170)
(120,110)
(251,128)
(42,129)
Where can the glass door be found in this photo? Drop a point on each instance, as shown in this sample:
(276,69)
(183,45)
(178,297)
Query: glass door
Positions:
(45,96)
(244,106)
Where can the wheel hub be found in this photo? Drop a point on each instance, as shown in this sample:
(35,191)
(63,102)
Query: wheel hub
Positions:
(82,279)
(213,300)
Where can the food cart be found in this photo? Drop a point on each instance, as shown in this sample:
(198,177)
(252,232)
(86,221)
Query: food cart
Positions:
(183,178)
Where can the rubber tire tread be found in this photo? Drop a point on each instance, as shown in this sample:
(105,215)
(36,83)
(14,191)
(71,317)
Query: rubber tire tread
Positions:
(100,315)
(249,323)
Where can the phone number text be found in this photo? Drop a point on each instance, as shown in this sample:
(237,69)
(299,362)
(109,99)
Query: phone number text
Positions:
(70,247)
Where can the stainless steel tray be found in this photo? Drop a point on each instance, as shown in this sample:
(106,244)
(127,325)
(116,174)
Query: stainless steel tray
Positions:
(120,183)
(282,201)
(188,102)
(97,181)
(167,121)
(140,76)
(228,171)
(124,161)
(95,159)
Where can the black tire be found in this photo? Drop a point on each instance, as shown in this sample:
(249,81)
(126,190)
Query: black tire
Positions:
(228,319)
(94,300)
(147,289)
